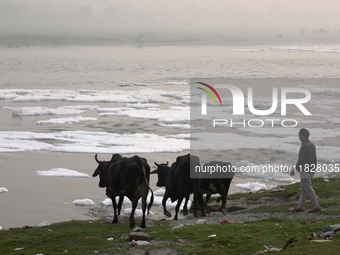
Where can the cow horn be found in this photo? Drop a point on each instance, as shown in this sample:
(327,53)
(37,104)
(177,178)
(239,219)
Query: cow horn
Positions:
(95,157)
(167,163)
(156,164)
(155,171)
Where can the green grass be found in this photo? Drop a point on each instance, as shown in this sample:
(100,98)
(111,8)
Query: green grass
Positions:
(90,237)
(83,237)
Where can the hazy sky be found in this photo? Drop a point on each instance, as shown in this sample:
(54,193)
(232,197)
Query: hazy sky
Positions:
(330,6)
(164,14)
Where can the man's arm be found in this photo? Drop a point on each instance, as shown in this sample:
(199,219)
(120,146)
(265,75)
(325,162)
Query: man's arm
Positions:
(302,159)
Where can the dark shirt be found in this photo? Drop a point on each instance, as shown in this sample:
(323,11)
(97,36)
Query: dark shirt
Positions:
(307,157)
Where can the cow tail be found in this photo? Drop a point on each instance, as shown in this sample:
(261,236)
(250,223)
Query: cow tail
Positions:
(146,181)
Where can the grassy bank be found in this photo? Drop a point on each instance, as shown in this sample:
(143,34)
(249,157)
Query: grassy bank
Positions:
(90,237)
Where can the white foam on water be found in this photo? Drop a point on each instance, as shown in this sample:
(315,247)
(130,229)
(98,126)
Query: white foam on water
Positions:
(141,105)
(179,136)
(316,133)
(106,202)
(170,205)
(179,126)
(173,114)
(176,83)
(145,95)
(251,186)
(62,172)
(126,84)
(159,192)
(3,190)
(311,48)
(84,202)
(35,95)
(69,120)
(41,110)
(11,141)
(157,201)
(244,50)
(89,142)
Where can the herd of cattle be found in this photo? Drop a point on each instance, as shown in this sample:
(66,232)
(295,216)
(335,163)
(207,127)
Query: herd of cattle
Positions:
(122,176)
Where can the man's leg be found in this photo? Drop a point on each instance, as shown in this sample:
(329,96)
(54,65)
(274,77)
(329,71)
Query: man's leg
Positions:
(302,193)
(306,185)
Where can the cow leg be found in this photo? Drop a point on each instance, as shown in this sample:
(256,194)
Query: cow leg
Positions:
(120,202)
(204,204)
(197,196)
(179,202)
(226,190)
(223,194)
(114,205)
(185,207)
(132,215)
(142,225)
(166,196)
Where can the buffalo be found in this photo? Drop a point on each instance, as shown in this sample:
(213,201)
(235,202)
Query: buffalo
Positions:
(122,176)
(211,186)
(177,182)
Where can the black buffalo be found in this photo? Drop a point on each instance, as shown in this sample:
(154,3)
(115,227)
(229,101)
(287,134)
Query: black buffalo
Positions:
(215,186)
(177,182)
(122,176)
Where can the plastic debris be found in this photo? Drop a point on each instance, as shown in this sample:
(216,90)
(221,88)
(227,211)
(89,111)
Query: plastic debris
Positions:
(328,233)
(179,226)
(18,249)
(224,222)
(138,243)
(44,224)
(321,241)
(150,223)
(335,227)
(137,229)
(201,221)
(212,236)
(110,239)
(277,189)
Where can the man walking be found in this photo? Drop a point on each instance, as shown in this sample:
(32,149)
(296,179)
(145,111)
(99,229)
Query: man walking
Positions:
(306,165)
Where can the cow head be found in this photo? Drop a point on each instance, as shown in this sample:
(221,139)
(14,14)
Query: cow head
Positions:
(162,172)
(102,169)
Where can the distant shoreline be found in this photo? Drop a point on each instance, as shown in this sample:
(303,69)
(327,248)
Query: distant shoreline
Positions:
(24,37)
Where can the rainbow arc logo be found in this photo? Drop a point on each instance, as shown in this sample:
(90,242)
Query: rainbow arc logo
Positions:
(209,93)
